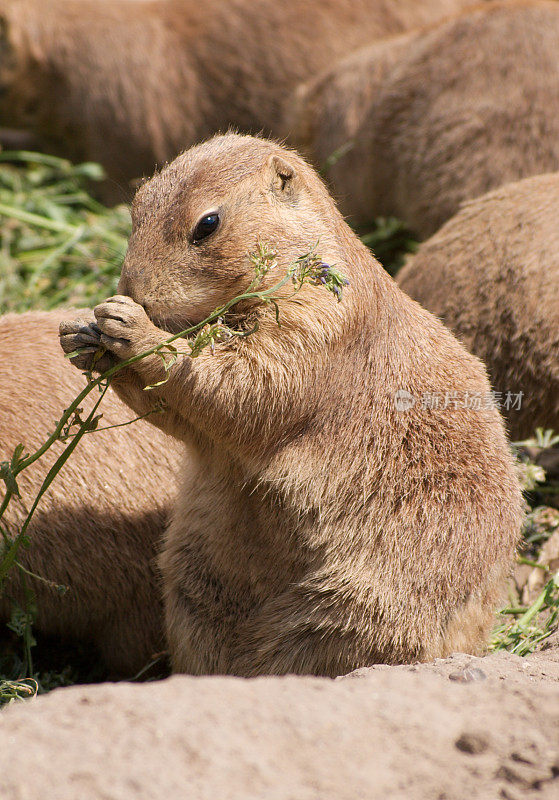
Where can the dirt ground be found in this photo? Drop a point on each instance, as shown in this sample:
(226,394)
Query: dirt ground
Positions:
(459,728)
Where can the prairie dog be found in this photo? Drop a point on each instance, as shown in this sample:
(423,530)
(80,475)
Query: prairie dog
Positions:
(98,528)
(438,116)
(492,275)
(332,522)
(77,75)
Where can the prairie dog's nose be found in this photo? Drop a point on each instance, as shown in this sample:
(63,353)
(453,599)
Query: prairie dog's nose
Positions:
(123,285)
(130,282)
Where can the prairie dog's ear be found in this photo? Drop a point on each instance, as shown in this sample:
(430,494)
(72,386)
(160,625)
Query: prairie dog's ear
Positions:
(284,177)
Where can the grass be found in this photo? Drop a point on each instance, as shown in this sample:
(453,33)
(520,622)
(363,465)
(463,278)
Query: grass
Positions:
(59,246)
(22,689)
(524,626)
(57,664)
(390,241)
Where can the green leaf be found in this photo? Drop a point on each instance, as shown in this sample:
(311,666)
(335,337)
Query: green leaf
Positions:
(9,478)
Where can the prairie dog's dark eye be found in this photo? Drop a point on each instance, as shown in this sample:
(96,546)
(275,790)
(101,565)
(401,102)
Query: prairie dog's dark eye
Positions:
(205,226)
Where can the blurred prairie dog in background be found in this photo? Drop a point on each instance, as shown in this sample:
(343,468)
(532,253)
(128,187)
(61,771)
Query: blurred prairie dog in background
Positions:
(492,275)
(438,116)
(98,527)
(132,84)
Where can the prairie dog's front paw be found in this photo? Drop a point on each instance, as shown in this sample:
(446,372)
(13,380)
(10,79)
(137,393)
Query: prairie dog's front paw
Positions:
(125,328)
(84,335)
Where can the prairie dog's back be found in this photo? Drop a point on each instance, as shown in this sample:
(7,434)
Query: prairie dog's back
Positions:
(492,275)
(438,116)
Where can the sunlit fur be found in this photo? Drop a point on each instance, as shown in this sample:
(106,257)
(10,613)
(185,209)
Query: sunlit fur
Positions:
(323,529)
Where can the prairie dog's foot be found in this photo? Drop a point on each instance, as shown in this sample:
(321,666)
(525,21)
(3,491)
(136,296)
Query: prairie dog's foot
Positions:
(84,335)
(125,328)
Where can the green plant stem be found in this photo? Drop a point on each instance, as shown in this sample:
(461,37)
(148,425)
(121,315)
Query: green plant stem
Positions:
(530,563)
(35,158)
(119,424)
(11,554)
(538,604)
(40,578)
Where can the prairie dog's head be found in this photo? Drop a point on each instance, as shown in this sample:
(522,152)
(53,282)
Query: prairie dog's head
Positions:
(195,225)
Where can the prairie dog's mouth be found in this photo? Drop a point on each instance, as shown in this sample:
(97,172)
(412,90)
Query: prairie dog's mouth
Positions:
(174,322)
(173,325)
(189,316)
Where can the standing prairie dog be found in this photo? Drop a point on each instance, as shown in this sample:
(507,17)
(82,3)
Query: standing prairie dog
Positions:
(332,522)
(98,528)
(438,116)
(131,85)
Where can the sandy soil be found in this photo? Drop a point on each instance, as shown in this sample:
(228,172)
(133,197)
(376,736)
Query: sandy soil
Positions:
(459,728)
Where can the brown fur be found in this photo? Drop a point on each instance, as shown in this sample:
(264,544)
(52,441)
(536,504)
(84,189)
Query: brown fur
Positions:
(492,275)
(439,116)
(98,526)
(324,529)
(130,87)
